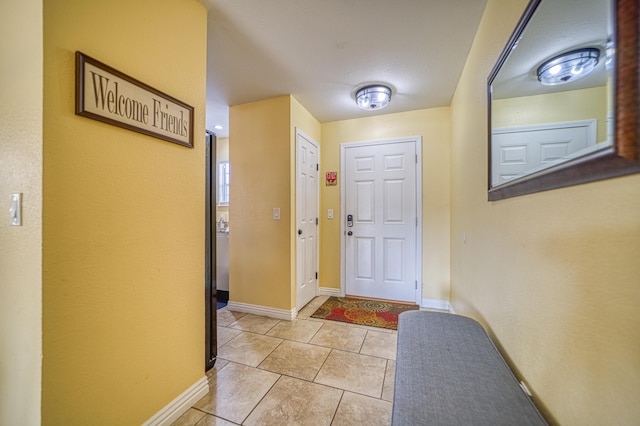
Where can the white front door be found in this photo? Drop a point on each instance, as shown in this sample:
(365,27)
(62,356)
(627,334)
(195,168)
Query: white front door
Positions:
(306,219)
(380,220)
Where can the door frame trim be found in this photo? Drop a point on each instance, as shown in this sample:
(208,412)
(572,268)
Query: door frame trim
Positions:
(210,295)
(313,142)
(343,147)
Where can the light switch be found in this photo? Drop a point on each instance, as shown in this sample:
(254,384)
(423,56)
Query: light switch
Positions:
(15,210)
(276,213)
(329,213)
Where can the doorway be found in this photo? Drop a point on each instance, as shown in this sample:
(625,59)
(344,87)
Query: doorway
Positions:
(307,215)
(382,219)
(210,299)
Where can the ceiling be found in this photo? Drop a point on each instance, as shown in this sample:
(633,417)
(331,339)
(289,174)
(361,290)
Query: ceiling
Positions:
(321,51)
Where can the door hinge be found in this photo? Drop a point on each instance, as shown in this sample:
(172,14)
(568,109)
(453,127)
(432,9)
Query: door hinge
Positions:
(416,158)
(316,221)
(317,166)
(416,284)
(316,275)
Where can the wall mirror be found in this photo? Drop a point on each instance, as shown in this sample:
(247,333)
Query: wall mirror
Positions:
(563,97)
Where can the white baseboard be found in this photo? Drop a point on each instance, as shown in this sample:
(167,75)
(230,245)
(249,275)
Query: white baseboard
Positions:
(442,305)
(265,311)
(180,404)
(328,291)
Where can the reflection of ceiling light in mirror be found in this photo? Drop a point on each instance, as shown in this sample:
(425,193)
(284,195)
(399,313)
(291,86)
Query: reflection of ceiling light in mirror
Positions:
(218,127)
(568,66)
(555,69)
(578,69)
(373,97)
(611,53)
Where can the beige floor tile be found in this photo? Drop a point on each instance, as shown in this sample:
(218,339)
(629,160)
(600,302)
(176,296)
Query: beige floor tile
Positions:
(389,381)
(296,402)
(312,306)
(299,330)
(248,348)
(329,322)
(224,334)
(254,323)
(353,372)
(216,367)
(189,418)
(209,420)
(369,327)
(235,391)
(340,337)
(296,359)
(380,344)
(357,409)
(225,317)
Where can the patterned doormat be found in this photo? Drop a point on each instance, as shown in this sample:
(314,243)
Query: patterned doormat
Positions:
(374,313)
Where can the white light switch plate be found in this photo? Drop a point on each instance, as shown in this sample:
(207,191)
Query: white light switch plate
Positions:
(329,213)
(276,213)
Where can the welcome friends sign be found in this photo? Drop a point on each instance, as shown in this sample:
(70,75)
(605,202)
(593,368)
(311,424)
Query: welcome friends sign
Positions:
(107,95)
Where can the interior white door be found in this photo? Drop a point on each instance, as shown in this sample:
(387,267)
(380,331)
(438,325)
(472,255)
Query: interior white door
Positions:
(306,218)
(380,214)
(525,149)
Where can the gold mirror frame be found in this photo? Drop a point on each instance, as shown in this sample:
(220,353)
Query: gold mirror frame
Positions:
(623,157)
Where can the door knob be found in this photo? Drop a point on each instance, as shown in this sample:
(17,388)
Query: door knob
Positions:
(299,231)
(349,233)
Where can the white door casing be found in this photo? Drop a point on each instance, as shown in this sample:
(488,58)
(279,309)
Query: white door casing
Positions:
(381,190)
(307,214)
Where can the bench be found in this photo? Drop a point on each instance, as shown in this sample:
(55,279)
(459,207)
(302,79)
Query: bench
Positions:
(449,372)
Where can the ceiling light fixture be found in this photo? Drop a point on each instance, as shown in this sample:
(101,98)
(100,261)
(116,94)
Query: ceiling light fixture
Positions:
(373,97)
(568,66)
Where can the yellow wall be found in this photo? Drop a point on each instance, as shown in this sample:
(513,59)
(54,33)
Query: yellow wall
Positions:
(262,251)
(259,246)
(222,149)
(434,127)
(303,120)
(553,275)
(123,228)
(570,105)
(20,247)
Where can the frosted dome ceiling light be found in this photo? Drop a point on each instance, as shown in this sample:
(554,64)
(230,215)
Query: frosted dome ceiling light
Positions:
(568,66)
(373,97)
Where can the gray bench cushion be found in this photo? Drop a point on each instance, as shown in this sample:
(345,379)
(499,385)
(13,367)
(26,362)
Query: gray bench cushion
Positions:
(448,372)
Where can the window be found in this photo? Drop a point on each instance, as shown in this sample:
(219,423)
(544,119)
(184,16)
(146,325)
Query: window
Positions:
(223,183)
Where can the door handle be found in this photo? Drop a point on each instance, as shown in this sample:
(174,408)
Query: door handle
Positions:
(299,231)
(349,233)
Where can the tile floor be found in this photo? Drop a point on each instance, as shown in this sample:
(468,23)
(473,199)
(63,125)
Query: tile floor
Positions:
(302,372)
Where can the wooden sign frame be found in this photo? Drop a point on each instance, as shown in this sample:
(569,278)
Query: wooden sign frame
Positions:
(108,95)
